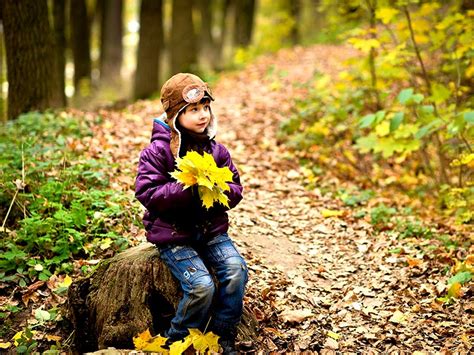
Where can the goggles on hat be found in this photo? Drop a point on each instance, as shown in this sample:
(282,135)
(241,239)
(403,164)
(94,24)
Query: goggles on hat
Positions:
(194,93)
(191,93)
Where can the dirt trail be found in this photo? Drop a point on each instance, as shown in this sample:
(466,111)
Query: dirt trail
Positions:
(316,283)
(336,268)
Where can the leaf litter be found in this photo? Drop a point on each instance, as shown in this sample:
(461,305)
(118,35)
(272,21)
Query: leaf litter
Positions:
(320,279)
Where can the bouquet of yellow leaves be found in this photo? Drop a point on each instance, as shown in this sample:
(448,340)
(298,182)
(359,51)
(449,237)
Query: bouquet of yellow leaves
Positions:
(202,170)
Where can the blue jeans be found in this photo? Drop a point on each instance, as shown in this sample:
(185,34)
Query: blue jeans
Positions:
(190,264)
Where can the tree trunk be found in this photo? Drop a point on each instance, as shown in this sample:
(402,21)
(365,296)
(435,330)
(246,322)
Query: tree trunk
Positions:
(111,49)
(467,5)
(149,48)
(3,118)
(220,41)
(126,295)
(295,11)
(244,19)
(80,43)
(183,39)
(29,43)
(207,47)
(59,17)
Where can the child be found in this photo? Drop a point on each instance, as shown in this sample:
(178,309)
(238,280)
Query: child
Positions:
(191,239)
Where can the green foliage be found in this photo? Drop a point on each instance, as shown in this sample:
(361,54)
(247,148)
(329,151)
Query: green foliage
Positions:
(272,29)
(381,215)
(24,342)
(351,198)
(62,205)
(461,277)
(383,112)
(448,242)
(459,202)
(413,229)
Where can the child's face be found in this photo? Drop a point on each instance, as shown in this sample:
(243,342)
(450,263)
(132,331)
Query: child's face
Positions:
(196,117)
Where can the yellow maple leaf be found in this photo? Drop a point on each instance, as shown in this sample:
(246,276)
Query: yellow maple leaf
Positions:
(66,282)
(5,345)
(186,178)
(454,290)
(223,199)
(155,344)
(331,213)
(141,340)
(202,170)
(209,196)
(386,14)
(203,180)
(203,342)
(222,176)
(178,347)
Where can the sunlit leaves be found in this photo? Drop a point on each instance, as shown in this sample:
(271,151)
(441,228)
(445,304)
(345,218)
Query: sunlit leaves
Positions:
(331,213)
(429,128)
(180,346)
(464,159)
(386,14)
(387,146)
(371,119)
(365,45)
(204,342)
(460,277)
(464,272)
(144,341)
(396,121)
(469,116)
(201,343)
(407,96)
(201,170)
(440,93)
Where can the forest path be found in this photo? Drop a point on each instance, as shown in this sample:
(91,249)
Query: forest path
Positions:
(315,283)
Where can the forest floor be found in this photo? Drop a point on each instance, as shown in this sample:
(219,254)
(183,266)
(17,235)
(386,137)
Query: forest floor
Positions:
(316,283)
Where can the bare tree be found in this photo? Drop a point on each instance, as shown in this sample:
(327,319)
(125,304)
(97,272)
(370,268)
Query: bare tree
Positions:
(111,48)
(59,24)
(183,38)
(149,48)
(244,21)
(29,43)
(80,43)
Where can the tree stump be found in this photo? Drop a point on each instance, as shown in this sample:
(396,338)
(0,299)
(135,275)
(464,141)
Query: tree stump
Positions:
(126,295)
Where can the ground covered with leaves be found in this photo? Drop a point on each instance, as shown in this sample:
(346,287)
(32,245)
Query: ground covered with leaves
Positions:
(333,265)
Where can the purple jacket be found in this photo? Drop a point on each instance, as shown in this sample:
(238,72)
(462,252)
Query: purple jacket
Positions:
(175,215)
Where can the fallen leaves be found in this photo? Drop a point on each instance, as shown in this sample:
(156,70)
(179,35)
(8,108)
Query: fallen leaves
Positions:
(295,316)
(145,341)
(200,342)
(398,317)
(320,278)
(331,213)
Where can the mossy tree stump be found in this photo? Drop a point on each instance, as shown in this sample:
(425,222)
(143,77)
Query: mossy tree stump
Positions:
(126,295)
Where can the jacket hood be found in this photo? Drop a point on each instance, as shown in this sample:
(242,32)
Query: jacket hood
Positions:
(160,131)
(165,129)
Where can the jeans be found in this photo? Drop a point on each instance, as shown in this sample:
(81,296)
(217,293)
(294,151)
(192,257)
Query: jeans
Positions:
(202,300)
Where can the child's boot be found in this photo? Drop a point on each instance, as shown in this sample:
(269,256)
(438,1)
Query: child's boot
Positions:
(227,342)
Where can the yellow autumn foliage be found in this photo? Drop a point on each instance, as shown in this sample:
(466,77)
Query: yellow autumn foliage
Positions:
(201,342)
(201,170)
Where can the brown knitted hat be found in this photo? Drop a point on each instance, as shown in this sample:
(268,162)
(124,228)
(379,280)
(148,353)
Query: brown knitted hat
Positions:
(180,90)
